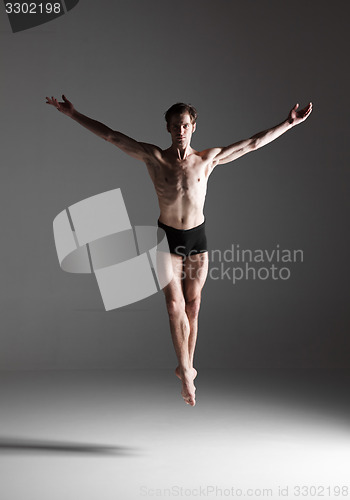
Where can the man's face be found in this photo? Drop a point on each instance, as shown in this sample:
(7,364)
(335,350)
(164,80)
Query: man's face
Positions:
(181,130)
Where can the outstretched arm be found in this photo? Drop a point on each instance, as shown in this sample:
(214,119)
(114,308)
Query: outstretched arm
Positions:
(234,151)
(133,148)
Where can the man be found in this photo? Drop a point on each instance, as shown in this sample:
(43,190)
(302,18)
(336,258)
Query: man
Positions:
(180,175)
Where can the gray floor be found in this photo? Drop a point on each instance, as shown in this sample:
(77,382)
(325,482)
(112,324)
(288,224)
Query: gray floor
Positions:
(127,434)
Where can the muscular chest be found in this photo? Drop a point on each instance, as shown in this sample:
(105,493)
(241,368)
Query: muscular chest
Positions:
(182,176)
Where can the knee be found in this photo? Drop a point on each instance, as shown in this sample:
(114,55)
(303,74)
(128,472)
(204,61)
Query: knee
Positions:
(193,305)
(175,307)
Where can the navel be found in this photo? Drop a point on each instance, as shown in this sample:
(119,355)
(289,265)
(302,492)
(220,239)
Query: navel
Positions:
(198,180)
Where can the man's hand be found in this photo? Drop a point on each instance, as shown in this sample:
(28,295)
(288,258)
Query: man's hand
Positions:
(65,107)
(295,117)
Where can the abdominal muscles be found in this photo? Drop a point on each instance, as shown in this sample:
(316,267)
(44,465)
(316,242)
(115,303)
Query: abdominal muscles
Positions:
(181,203)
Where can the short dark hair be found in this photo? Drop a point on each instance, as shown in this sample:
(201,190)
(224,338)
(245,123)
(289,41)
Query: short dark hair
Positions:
(178,109)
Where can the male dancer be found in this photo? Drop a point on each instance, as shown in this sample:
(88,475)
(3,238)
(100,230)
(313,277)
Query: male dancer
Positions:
(180,175)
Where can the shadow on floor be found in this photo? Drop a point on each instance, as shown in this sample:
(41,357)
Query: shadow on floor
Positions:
(21,445)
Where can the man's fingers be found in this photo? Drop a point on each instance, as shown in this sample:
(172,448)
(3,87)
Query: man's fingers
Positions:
(54,102)
(306,111)
(294,108)
(308,108)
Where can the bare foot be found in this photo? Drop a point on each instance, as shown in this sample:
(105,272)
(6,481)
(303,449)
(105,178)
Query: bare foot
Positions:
(178,373)
(188,387)
(188,392)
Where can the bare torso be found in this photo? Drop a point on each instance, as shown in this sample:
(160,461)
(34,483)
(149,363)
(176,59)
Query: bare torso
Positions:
(181,186)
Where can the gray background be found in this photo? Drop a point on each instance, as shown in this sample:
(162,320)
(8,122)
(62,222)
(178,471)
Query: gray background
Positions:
(243,65)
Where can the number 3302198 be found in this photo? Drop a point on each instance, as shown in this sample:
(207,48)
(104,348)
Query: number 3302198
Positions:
(32,8)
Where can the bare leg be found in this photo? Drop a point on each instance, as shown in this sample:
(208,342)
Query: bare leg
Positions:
(195,271)
(183,297)
(180,330)
(192,311)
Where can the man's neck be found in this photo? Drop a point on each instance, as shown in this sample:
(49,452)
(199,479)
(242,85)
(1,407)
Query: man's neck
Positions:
(181,153)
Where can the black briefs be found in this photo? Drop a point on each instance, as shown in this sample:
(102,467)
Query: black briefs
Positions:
(186,242)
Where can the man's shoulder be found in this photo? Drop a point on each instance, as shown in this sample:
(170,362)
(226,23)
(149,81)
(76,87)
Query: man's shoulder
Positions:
(152,149)
(209,155)
(210,152)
